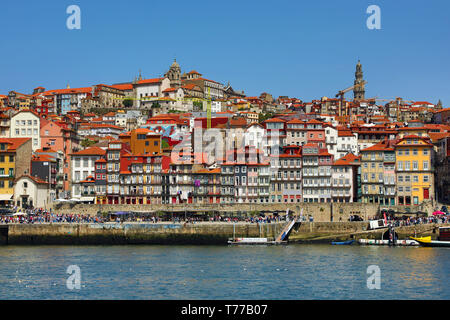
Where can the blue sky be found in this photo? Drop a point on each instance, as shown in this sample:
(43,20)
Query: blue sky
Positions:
(306,49)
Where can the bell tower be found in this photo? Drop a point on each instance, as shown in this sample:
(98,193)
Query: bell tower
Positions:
(359,92)
(174,74)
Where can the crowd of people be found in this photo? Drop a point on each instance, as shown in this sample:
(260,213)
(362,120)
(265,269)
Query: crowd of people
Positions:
(31,216)
(419,220)
(43,216)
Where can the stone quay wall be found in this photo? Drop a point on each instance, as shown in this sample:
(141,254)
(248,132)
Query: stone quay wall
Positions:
(321,212)
(206,233)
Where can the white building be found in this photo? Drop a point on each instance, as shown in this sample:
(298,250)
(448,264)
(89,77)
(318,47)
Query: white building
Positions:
(101,130)
(343,178)
(121,119)
(255,136)
(26,124)
(32,192)
(83,166)
(150,88)
(341,141)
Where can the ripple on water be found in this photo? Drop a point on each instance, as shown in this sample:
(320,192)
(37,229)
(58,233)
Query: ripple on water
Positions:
(221,272)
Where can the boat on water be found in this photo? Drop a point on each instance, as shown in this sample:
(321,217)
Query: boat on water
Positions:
(431,243)
(253,241)
(443,239)
(348,242)
(381,242)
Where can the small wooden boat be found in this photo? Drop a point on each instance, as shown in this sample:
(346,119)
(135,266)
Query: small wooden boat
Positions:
(348,242)
(427,242)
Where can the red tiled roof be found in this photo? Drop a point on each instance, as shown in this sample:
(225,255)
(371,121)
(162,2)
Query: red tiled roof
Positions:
(272,120)
(349,159)
(14,143)
(90,151)
(147,81)
(125,86)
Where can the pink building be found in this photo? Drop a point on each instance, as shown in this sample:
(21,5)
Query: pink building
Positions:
(60,137)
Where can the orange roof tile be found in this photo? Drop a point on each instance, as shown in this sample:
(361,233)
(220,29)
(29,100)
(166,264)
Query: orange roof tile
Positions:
(90,151)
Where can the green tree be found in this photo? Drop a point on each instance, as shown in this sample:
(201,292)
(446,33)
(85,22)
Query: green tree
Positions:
(264,116)
(198,105)
(86,143)
(127,103)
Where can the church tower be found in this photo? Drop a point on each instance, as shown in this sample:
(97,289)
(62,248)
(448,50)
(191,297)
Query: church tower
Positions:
(359,92)
(174,74)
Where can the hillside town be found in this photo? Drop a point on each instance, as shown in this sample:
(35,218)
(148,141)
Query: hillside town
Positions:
(149,141)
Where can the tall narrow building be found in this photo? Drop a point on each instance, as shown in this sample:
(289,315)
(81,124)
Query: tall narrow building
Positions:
(359,91)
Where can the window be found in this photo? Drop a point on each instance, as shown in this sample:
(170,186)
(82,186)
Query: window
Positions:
(425,165)
(425,178)
(407,165)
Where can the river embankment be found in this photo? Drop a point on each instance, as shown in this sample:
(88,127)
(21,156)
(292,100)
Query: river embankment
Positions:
(202,233)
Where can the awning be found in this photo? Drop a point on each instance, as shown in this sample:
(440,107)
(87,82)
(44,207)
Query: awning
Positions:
(87,198)
(5,197)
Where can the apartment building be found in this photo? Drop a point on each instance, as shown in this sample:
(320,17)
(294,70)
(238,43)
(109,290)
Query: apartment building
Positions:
(26,124)
(83,166)
(345,179)
(377,173)
(414,170)
(316,164)
(286,176)
(15,157)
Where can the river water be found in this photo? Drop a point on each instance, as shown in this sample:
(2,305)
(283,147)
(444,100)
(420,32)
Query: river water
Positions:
(291,272)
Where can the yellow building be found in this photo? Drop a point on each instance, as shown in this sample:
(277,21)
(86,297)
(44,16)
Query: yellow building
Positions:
(414,170)
(15,157)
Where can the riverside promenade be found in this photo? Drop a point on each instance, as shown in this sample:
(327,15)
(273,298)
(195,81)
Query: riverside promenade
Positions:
(199,233)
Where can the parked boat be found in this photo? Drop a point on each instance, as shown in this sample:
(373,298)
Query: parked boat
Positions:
(443,239)
(253,241)
(432,243)
(380,242)
(348,242)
